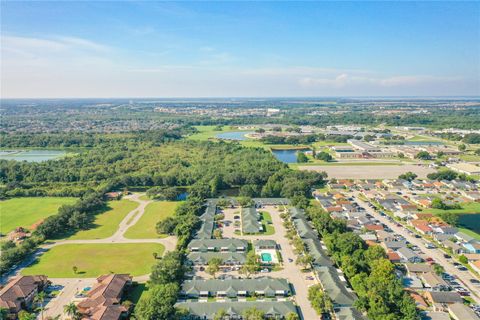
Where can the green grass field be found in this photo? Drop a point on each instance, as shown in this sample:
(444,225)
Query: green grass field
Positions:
(93,260)
(106,223)
(24,212)
(470,233)
(208,132)
(267,224)
(470,207)
(154,212)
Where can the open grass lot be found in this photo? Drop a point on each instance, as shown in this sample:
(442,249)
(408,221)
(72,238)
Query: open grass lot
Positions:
(24,212)
(106,223)
(469,207)
(154,212)
(208,132)
(93,260)
(266,221)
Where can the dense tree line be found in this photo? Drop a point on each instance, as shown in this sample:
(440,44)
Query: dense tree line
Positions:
(87,139)
(370,273)
(173,164)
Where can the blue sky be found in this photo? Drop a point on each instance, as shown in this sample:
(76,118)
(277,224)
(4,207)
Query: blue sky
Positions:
(205,49)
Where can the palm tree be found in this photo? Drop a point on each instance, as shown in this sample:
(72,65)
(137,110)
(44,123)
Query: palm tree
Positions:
(75,269)
(3,313)
(40,299)
(71,310)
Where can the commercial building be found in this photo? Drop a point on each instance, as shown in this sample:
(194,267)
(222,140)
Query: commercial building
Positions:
(464,167)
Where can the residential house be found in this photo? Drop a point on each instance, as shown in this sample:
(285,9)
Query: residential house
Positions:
(235,309)
(235,288)
(441,299)
(417,269)
(231,245)
(421,226)
(228,258)
(434,282)
(18,293)
(264,244)
(456,248)
(407,255)
(394,245)
(459,311)
(104,299)
(250,221)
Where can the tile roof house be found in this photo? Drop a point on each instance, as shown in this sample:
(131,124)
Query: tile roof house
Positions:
(103,300)
(19,292)
(393,257)
(421,226)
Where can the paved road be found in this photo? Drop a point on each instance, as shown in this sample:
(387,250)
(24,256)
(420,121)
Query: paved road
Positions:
(436,254)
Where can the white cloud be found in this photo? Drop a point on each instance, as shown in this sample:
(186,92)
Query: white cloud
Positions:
(61,66)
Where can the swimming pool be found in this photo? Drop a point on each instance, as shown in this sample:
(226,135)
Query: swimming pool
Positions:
(266,257)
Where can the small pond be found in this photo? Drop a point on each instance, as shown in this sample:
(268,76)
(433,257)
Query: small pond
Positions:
(234,135)
(423,143)
(470,221)
(286,156)
(31,155)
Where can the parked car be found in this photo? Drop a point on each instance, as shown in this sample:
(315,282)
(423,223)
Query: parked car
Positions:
(447,256)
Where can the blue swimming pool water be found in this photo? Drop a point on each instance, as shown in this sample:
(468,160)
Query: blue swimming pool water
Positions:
(266,257)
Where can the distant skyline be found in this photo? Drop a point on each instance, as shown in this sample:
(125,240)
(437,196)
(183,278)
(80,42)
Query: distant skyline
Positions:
(239,49)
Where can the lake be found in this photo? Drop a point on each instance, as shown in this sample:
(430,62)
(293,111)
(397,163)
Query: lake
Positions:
(470,221)
(286,156)
(31,155)
(234,135)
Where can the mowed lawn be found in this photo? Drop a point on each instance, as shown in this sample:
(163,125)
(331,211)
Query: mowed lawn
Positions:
(25,212)
(93,260)
(154,212)
(469,207)
(106,223)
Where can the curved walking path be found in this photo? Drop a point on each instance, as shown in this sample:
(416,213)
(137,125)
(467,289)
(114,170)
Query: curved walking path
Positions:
(119,236)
